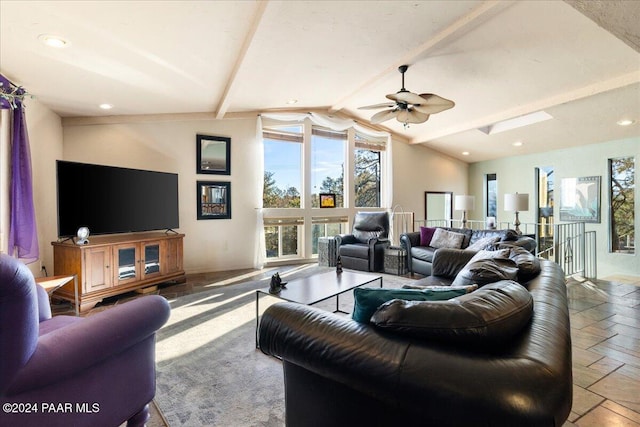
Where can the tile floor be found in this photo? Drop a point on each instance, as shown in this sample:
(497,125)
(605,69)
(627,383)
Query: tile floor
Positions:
(605,330)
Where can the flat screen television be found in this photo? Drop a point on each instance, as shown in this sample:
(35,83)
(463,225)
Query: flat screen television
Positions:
(109,199)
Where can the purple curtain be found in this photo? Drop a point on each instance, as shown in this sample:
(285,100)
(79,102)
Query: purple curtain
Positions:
(23,235)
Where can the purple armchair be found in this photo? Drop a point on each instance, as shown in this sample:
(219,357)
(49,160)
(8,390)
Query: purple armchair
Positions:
(66,370)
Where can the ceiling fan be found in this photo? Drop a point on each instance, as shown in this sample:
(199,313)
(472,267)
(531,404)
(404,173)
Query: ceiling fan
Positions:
(409,107)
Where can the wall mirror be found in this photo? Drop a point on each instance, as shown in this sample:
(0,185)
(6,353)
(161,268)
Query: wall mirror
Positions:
(438,205)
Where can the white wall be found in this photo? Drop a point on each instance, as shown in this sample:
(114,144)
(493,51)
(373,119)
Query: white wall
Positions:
(516,174)
(169,146)
(417,169)
(45,139)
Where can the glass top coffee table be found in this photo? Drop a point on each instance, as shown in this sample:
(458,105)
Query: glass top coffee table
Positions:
(317,288)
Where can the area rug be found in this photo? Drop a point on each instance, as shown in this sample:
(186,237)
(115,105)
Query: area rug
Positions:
(209,372)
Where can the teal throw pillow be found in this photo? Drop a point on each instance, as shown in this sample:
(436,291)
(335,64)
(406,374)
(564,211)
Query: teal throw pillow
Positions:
(367,300)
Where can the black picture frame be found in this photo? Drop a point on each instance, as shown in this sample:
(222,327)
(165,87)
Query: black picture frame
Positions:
(327,200)
(213,200)
(213,155)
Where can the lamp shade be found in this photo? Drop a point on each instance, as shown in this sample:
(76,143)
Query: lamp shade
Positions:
(516,202)
(464,203)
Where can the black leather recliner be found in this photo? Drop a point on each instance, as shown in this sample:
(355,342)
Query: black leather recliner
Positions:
(363,249)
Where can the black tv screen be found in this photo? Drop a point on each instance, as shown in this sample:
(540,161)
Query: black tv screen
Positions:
(109,199)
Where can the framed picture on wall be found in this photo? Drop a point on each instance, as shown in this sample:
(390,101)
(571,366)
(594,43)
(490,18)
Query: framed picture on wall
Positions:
(580,199)
(213,154)
(214,200)
(327,200)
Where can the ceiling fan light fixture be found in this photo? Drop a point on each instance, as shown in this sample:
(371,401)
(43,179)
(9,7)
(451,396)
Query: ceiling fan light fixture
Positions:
(409,107)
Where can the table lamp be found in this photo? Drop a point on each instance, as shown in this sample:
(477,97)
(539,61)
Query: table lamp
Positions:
(464,204)
(516,203)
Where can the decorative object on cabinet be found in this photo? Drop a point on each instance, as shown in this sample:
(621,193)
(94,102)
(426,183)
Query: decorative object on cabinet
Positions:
(83,236)
(214,200)
(114,264)
(213,154)
(580,199)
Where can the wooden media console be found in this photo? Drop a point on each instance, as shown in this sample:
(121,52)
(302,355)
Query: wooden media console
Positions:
(114,264)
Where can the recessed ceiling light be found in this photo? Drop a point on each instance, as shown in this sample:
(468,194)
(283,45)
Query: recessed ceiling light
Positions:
(292,101)
(106,106)
(625,122)
(53,41)
(465,153)
(517,144)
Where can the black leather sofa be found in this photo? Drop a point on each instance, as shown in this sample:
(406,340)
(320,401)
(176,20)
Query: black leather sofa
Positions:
(420,258)
(340,372)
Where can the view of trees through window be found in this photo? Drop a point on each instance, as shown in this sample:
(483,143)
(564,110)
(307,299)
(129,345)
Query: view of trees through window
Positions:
(285,152)
(367,178)
(622,215)
(492,195)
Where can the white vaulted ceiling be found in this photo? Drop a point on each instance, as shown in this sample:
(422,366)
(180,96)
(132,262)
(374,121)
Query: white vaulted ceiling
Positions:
(579,61)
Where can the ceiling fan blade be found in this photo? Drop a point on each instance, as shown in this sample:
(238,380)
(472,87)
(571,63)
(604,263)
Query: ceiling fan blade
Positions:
(383,116)
(406,97)
(376,106)
(433,104)
(412,116)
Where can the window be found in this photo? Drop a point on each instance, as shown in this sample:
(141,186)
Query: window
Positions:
(367,171)
(303,160)
(492,195)
(282,167)
(282,237)
(622,196)
(328,149)
(545,208)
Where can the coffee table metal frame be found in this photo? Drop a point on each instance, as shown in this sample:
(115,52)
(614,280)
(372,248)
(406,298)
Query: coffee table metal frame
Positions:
(317,288)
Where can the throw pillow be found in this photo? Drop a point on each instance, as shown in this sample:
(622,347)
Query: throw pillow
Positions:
(446,239)
(528,264)
(483,243)
(426,234)
(466,277)
(486,271)
(489,315)
(367,300)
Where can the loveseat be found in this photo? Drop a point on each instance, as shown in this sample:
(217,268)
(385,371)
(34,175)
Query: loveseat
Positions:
(341,372)
(420,249)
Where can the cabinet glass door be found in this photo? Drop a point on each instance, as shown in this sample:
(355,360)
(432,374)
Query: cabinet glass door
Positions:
(151,259)
(126,263)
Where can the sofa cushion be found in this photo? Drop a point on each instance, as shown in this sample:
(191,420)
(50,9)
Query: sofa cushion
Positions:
(367,300)
(426,234)
(446,239)
(487,267)
(424,253)
(491,314)
(425,283)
